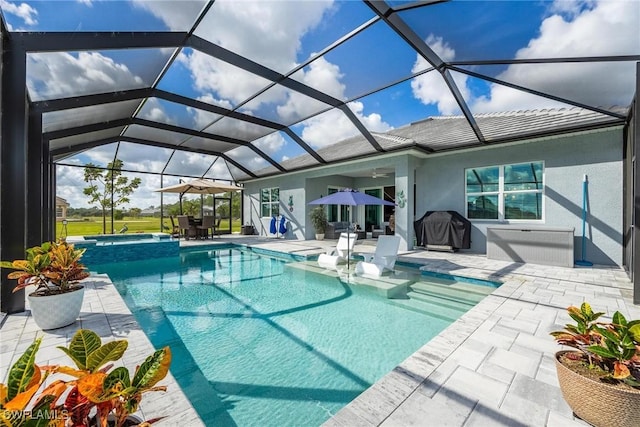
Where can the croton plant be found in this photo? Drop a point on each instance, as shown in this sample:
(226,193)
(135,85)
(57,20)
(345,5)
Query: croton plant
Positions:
(613,346)
(53,267)
(90,397)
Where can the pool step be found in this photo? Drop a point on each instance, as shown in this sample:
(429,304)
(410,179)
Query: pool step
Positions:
(453,284)
(428,308)
(455,291)
(454,304)
(389,285)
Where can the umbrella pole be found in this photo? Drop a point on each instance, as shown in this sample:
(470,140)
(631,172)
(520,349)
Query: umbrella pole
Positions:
(348,236)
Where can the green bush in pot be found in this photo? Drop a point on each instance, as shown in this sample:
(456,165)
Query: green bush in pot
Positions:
(318,218)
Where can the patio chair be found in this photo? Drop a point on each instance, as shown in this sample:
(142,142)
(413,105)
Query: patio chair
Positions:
(334,256)
(383,259)
(376,231)
(207,223)
(175,230)
(217,227)
(187,229)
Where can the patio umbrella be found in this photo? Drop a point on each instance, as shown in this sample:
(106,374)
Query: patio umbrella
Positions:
(199,186)
(350,197)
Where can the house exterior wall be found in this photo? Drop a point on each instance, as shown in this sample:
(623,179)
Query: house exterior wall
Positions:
(598,154)
(305,187)
(440,185)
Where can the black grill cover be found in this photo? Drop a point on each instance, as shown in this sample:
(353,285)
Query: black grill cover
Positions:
(443,228)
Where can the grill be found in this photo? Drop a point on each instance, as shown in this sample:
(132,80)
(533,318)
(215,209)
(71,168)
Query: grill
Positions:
(443,230)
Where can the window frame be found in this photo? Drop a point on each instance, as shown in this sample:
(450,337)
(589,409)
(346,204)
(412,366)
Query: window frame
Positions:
(502,194)
(268,204)
(336,213)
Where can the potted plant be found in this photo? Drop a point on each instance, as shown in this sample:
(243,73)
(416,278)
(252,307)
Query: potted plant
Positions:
(319,221)
(600,379)
(54,268)
(93,397)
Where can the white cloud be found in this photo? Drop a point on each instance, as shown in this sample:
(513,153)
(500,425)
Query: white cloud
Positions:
(247,158)
(373,121)
(324,76)
(154,111)
(333,126)
(100,156)
(274,42)
(69,185)
(578,28)
(219,170)
(203,118)
(177,15)
(327,129)
(53,75)
(321,75)
(271,143)
(571,8)
(430,88)
(268,32)
(231,85)
(573,29)
(22,11)
(143,157)
(610,28)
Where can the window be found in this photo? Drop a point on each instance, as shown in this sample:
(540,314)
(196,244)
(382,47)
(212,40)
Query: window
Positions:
(509,192)
(335,212)
(270,202)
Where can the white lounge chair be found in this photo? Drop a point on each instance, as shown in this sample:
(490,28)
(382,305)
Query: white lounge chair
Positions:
(340,253)
(383,259)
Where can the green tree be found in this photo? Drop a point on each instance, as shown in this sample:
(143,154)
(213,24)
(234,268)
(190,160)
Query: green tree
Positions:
(135,212)
(108,187)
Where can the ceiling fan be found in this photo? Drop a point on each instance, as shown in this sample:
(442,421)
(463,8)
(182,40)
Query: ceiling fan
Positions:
(377,174)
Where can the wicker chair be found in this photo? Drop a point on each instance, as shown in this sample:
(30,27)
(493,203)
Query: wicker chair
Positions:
(175,230)
(207,223)
(187,229)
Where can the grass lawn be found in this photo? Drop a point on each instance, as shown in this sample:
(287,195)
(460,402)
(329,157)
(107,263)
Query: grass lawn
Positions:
(93,225)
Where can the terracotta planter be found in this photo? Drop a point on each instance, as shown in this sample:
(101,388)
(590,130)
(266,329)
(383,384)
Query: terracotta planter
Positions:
(598,403)
(56,311)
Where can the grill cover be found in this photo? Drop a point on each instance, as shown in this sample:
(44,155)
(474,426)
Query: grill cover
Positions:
(447,228)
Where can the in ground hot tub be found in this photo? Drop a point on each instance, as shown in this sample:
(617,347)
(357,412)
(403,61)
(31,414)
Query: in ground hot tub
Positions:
(106,248)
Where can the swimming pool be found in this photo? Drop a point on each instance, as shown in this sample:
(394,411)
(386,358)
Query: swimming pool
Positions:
(255,342)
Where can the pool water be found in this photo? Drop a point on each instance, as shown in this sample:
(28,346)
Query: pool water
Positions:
(256,343)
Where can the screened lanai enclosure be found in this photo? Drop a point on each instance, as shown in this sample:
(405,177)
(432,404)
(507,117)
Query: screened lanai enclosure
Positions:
(238,91)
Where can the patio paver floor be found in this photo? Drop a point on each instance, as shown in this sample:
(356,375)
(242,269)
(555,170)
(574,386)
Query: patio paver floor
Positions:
(492,367)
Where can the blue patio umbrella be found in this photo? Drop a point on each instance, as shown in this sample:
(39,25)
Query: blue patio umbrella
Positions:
(350,197)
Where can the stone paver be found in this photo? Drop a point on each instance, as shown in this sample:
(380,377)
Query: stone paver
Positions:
(492,367)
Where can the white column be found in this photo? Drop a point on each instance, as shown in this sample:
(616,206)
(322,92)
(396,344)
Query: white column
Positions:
(405,180)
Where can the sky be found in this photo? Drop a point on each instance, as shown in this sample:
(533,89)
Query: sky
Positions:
(285,35)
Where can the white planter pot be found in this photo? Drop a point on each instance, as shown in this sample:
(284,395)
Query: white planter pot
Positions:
(56,311)
(319,236)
